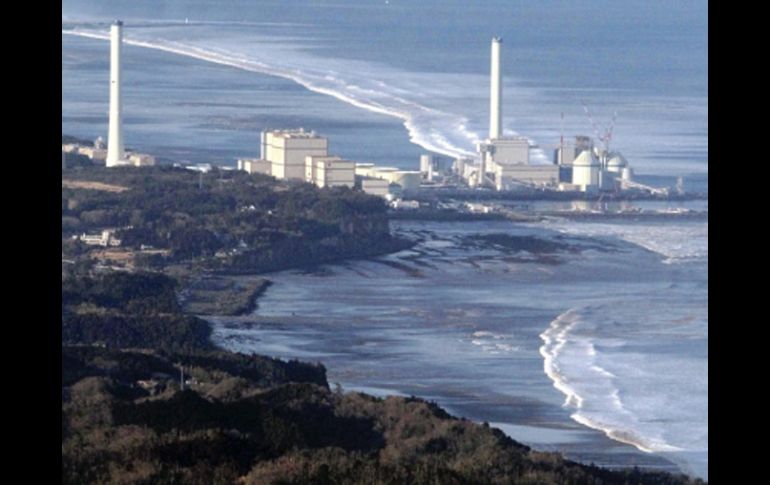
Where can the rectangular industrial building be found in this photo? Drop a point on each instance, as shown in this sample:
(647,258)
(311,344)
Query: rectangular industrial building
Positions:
(509,150)
(509,176)
(255,165)
(141,160)
(286,151)
(379,187)
(330,171)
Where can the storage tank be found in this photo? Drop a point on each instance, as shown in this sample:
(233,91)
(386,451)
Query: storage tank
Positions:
(407,179)
(385,173)
(585,170)
(365,169)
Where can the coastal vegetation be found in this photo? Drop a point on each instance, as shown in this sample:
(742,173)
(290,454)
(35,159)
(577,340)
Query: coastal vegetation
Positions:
(147,397)
(224,221)
(128,310)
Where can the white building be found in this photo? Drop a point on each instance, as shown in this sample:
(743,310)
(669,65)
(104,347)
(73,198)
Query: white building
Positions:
(585,171)
(94,153)
(106,238)
(365,169)
(409,180)
(505,157)
(286,151)
(141,160)
(254,165)
(427,163)
(377,187)
(508,150)
(510,177)
(330,171)
(401,204)
(199,167)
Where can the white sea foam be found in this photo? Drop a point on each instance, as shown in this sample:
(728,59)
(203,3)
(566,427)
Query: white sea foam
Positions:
(636,368)
(433,129)
(591,390)
(677,243)
(441,112)
(490,342)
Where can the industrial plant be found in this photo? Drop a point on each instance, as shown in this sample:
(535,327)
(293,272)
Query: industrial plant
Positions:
(114,154)
(502,163)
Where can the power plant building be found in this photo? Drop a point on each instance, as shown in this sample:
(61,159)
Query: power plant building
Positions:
(507,157)
(365,169)
(286,151)
(585,171)
(409,180)
(254,165)
(509,177)
(141,160)
(379,187)
(325,171)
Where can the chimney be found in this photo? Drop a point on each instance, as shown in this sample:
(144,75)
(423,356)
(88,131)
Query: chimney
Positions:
(495,92)
(115,151)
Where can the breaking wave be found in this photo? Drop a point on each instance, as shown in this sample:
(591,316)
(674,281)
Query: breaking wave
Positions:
(570,362)
(434,130)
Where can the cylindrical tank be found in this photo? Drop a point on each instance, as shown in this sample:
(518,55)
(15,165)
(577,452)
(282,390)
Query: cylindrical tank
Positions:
(585,170)
(384,172)
(407,179)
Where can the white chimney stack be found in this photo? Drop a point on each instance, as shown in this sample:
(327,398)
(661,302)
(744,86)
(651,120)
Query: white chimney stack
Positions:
(495,92)
(115,151)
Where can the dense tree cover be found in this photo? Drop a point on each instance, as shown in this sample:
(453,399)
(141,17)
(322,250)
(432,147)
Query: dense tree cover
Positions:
(77,160)
(120,309)
(265,429)
(228,221)
(133,292)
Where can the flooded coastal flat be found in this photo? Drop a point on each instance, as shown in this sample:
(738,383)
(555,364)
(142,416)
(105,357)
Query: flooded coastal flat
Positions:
(580,342)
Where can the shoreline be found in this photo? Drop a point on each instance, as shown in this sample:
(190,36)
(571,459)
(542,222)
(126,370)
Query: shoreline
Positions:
(571,435)
(623,455)
(341,130)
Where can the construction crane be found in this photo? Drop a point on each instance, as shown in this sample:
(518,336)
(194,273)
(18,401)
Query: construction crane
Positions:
(606,137)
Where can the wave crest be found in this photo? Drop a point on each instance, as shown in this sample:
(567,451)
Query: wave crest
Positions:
(570,362)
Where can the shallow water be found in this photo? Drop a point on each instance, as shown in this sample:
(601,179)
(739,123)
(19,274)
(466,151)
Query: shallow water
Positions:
(534,344)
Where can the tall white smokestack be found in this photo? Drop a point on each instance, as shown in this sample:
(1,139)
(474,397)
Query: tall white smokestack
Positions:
(495,92)
(115,151)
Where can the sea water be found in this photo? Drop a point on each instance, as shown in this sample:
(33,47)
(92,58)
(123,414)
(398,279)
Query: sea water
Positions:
(606,348)
(609,335)
(420,68)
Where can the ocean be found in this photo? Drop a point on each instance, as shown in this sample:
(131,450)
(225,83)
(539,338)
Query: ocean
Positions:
(603,355)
